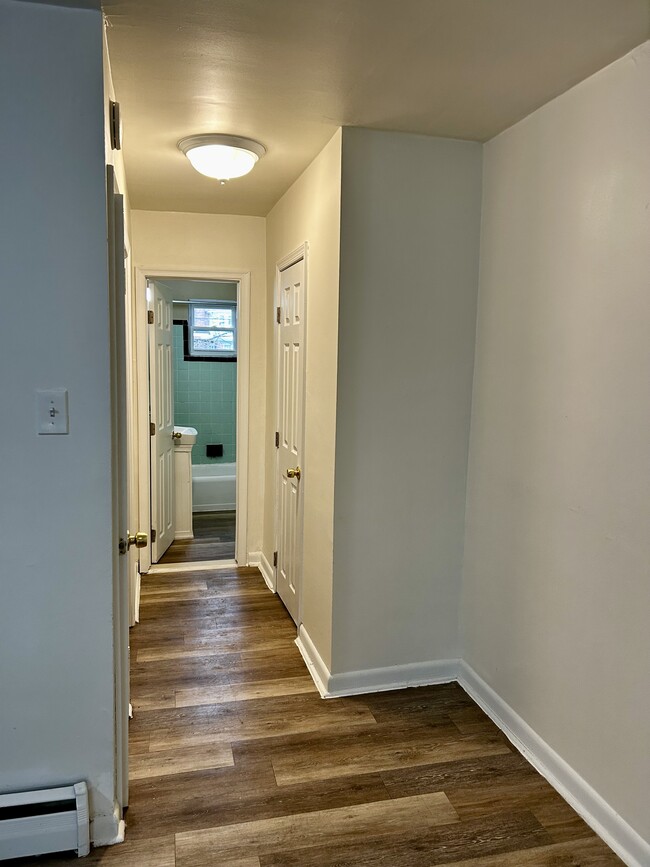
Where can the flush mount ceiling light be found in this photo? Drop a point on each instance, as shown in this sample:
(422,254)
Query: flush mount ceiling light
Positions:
(221,156)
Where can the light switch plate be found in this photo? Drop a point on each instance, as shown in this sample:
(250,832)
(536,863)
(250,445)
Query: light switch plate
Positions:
(52,411)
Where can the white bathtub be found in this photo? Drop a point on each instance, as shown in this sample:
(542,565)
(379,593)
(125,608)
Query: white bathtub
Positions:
(213,487)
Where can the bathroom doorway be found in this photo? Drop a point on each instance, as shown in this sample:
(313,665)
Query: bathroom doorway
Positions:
(204,392)
(196,383)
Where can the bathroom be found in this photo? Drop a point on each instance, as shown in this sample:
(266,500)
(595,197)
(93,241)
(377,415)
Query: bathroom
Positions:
(204,363)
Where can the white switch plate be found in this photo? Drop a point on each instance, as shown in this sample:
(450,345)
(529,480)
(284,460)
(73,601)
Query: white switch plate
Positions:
(52,411)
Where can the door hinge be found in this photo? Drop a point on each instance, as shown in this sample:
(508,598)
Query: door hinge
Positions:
(153,535)
(275,559)
(277,439)
(115,126)
(150,317)
(152,428)
(277,315)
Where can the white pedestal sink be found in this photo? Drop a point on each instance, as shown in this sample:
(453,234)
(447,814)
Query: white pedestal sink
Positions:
(184,439)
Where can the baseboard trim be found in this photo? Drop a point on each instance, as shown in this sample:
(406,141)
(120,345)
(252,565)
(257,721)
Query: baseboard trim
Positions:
(597,813)
(258,558)
(107,830)
(372,679)
(183,535)
(314,662)
(215,507)
(393,677)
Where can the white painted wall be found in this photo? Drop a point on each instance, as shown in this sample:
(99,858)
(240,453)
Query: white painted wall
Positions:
(56,636)
(213,242)
(556,590)
(409,273)
(310,211)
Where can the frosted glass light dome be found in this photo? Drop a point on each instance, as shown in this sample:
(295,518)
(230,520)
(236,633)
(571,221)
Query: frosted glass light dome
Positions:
(221,156)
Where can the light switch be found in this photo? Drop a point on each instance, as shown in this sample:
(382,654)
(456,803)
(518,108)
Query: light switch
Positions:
(52,411)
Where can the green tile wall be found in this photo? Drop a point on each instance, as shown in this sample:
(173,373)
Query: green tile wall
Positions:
(205,397)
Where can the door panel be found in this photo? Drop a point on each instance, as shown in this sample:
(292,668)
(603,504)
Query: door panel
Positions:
(123,560)
(162,415)
(290,415)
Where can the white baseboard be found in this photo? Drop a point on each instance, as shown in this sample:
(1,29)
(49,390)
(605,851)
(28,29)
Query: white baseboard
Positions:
(599,815)
(258,558)
(394,677)
(215,507)
(372,679)
(107,830)
(183,535)
(317,668)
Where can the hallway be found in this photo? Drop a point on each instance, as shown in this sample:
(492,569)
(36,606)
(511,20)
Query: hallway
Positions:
(237,761)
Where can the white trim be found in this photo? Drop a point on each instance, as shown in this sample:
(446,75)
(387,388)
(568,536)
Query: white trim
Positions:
(314,662)
(136,609)
(243,280)
(258,558)
(294,256)
(394,677)
(372,679)
(597,813)
(183,534)
(107,830)
(242,433)
(215,507)
(195,566)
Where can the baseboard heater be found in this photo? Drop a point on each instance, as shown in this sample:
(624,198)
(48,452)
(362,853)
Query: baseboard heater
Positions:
(49,820)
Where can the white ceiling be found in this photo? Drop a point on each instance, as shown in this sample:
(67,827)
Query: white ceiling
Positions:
(289,72)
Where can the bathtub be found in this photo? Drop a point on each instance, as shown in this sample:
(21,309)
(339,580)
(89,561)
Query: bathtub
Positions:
(213,487)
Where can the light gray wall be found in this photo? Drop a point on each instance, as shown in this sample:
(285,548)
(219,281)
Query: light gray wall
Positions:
(56,656)
(409,275)
(556,591)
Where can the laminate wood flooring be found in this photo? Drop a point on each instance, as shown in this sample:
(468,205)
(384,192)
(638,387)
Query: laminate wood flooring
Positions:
(214,539)
(235,760)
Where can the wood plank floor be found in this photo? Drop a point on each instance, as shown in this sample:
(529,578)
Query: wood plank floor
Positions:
(214,539)
(237,761)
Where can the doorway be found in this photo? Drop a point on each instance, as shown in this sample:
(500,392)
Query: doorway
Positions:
(193,341)
(193,336)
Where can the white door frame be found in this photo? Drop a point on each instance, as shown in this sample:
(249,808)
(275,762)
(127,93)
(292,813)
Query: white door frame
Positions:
(287,261)
(243,279)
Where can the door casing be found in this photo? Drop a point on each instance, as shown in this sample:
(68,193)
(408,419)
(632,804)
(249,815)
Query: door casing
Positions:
(140,338)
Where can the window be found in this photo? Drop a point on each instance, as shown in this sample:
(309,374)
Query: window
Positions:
(212,329)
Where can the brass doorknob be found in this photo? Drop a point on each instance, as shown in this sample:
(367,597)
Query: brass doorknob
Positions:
(140,540)
(176,435)
(294,474)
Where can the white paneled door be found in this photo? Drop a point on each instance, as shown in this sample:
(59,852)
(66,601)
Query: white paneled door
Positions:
(124,557)
(162,421)
(291,364)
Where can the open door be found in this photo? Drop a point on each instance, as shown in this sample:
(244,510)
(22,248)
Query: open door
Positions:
(161,403)
(121,549)
(290,377)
